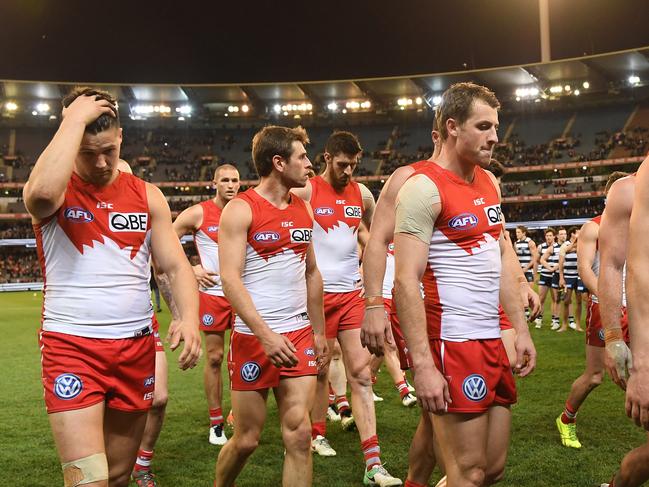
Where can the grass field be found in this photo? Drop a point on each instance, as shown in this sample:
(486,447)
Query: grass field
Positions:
(185,459)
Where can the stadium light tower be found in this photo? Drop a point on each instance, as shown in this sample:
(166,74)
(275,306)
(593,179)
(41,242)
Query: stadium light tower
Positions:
(544,21)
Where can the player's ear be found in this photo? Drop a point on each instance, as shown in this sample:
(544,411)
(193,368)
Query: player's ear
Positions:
(452,127)
(278,163)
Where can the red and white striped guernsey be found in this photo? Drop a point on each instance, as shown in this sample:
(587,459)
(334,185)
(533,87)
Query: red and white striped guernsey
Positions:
(206,240)
(275,266)
(94,254)
(337,218)
(462,278)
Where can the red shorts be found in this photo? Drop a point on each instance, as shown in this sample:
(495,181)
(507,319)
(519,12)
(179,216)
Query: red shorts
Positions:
(405,361)
(343,311)
(478,374)
(594,329)
(159,347)
(505,324)
(215,313)
(251,370)
(78,372)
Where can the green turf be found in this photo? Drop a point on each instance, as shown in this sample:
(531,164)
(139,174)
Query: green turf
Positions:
(185,459)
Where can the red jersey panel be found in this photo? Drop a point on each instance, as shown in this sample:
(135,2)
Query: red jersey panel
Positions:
(337,217)
(462,278)
(274,272)
(94,254)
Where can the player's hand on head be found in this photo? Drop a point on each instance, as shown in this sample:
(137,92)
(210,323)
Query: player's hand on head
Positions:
(206,278)
(618,361)
(181,331)
(637,398)
(87,108)
(374,330)
(432,390)
(280,350)
(525,354)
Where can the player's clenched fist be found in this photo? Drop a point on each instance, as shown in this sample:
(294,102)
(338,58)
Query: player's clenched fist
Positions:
(181,331)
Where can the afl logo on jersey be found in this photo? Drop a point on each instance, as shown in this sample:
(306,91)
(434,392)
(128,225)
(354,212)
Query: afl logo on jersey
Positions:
(474,387)
(463,221)
(212,229)
(301,235)
(67,386)
(127,222)
(76,214)
(494,214)
(250,371)
(353,211)
(324,211)
(264,237)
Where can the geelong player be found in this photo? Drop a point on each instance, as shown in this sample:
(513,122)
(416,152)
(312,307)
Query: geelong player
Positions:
(592,376)
(449,232)
(569,281)
(526,252)
(549,276)
(96,229)
(269,275)
(215,313)
(339,205)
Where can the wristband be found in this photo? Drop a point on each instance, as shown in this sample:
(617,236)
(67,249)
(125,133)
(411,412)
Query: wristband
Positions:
(613,334)
(374,306)
(373,301)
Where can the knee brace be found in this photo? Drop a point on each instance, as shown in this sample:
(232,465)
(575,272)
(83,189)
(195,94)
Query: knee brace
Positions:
(92,468)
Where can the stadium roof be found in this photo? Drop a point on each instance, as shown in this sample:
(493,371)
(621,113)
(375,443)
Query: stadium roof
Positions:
(602,74)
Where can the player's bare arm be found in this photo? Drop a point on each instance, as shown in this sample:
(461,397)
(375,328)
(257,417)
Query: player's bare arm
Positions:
(613,239)
(233,231)
(45,189)
(587,247)
(637,394)
(303,193)
(315,308)
(562,262)
(171,260)
(376,328)
(535,256)
(368,205)
(544,259)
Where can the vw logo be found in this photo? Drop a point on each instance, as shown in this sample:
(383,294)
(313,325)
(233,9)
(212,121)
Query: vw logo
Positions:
(208,319)
(474,387)
(600,333)
(67,386)
(250,371)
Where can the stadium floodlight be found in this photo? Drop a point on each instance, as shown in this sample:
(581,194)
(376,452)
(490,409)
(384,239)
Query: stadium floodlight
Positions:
(245,108)
(402,102)
(585,85)
(577,92)
(34,112)
(634,79)
(277,108)
(556,89)
(11,106)
(43,107)
(418,100)
(366,104)
(309,106)
(344,110)
(567,87)
(437,99)
(181,118)
(184,109)
(333,106)
(518,98)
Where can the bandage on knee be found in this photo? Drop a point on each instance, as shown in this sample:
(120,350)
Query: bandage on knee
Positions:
(92,468)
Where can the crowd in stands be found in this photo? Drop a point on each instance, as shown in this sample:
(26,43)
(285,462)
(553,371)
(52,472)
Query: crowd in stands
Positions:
(19,264)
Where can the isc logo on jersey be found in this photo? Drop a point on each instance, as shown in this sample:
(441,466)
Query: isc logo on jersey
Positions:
(264,237)
(127,222)
(353,211)
(300,235)
(324,211)
(78,215)
(463,221)
(494,214)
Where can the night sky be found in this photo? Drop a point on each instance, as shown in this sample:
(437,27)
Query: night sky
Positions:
(284,40)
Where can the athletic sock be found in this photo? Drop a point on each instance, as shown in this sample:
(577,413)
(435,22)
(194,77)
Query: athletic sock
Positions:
(143,461)
(332,396)
(318,429)
(373,378)
(555,318)
(342,405)
(402,387)
(569,414)
(216,416)
(412,483)
(371,452)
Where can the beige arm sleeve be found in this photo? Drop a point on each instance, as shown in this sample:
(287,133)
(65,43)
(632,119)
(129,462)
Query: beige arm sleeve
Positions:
(416,208)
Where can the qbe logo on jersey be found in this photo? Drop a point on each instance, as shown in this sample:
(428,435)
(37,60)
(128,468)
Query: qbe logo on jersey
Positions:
(127,222)
(250,371)
(353,211)
(301,235)
(474,387)
(494,214)
(67,386)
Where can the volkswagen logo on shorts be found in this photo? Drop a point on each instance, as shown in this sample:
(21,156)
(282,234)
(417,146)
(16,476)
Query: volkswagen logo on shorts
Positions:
(309,352)
(600,333)
(207,319)
(250,371)
(474,387)
(67,386)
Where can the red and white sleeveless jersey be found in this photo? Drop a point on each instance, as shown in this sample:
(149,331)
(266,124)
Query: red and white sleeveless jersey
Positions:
(206,239)
(274,271)
(337,218)
(388,278)
(462,278)
(94,254)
